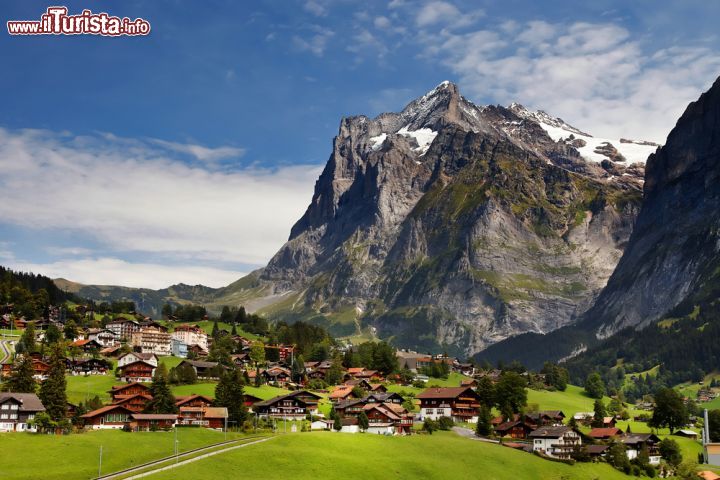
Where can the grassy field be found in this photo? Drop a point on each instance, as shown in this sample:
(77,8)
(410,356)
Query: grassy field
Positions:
(26,456)
(81,388)
(336,455)
(571,401)
(208,389)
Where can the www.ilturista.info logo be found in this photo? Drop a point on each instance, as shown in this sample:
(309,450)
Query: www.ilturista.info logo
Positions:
(56,21)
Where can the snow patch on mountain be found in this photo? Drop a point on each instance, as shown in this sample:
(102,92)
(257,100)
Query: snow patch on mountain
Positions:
(376,142)
(423,136)
(593,149)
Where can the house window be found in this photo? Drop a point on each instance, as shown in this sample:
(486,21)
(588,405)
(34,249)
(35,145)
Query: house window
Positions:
(6,406)
(440,411)
(430,411)
(4,416)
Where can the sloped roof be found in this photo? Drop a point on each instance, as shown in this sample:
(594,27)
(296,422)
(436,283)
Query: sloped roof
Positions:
(604,432)
(103,410)
(154,416)
(444,392)
(29,402)
(216,412)
(550,432)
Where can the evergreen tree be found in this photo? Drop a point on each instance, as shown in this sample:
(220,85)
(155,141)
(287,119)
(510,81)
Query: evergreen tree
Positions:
(298,369)
(161,371)
(257,352)
(215,330)
(229,393)
(166,311)
(21,378)
(234,332)
(28,338)
(670,452)
(643,457)
(241,315)
(163,400)
(600,413)
(594,386)
(363,421)
(53,389)
(484,424)
(510,391)
(52,335)
(486,391)
(335,372)
(616,456)
(70,331)
(337,423)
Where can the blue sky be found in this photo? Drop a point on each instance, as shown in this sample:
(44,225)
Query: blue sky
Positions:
(187,155)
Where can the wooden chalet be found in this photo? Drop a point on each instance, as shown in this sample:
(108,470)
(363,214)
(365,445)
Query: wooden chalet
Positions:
(277,376)
(556,441)
(343,392)
(634,442)
(462,404)
(518,429)
(86,345)
(87,366)
(17,410)
(143,422)
(204,370)
(128,389)
(216,417)
(132,357)
(134,403)
(545,418)
(251,400)
(139,371)
(294,405)
(109,417)
(40,369)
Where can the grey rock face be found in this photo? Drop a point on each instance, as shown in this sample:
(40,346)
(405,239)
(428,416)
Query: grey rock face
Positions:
(673,252)
(449,224)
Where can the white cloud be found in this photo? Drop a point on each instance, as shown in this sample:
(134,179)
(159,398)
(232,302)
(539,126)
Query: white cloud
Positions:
(445,14)
(112,271)
(594,75)
(316,8)
(366,41)
(130,196)
(204,154)
(315,44)
(382,22)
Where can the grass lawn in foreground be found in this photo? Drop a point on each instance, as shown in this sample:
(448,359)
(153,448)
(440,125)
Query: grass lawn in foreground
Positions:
(61,457)
(442,455)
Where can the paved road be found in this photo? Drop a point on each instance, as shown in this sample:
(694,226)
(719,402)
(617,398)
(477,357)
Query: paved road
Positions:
(5,350)
(467,433)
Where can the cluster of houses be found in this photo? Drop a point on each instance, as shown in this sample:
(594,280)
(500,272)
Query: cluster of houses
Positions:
(545,432)
(152,337)
(130,400)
